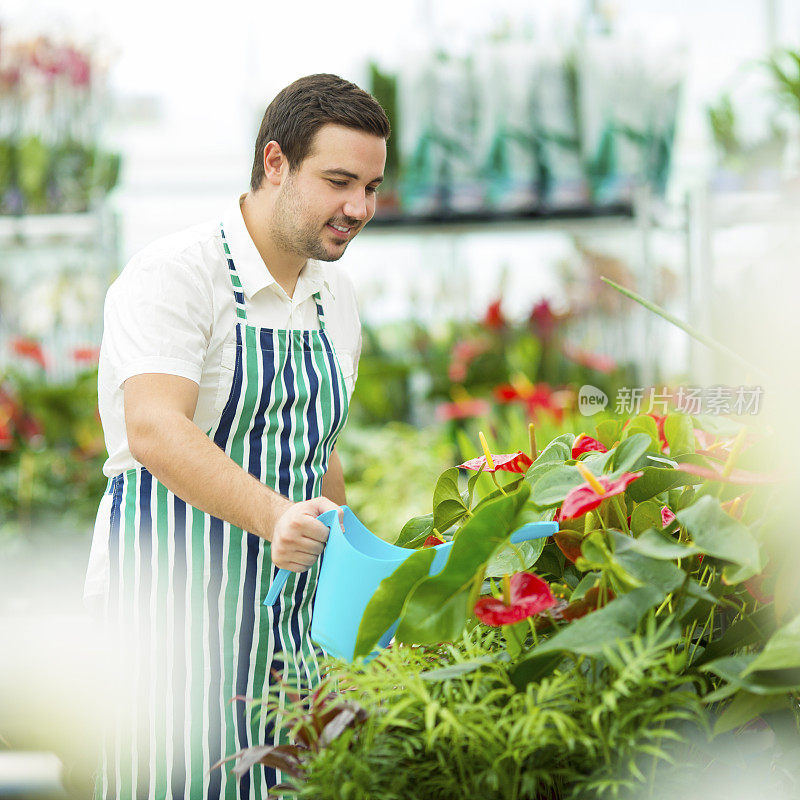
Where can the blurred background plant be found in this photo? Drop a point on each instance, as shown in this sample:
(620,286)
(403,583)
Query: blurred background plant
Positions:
(51,449)
(51,97)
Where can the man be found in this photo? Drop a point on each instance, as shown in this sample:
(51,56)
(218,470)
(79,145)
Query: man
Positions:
(228,358)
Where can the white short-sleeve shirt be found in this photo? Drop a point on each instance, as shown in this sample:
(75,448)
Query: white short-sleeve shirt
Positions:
(172,310)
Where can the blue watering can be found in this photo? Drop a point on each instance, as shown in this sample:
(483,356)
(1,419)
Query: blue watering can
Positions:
(354,563)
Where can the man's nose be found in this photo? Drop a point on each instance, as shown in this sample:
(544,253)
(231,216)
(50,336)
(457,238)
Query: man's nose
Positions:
(356,205)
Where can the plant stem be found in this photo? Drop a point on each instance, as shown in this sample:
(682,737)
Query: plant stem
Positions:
(497,484)
(532,626)
(620,514)
(713,344)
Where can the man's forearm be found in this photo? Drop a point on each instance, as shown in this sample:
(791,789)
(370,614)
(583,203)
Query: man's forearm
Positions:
(191,466)
(333,480)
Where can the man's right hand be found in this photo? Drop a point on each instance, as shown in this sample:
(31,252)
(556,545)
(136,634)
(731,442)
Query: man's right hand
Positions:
(299,537)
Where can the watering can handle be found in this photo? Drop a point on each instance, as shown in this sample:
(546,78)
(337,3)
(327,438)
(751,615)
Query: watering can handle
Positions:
(276,586)
(280,579)
(533,530)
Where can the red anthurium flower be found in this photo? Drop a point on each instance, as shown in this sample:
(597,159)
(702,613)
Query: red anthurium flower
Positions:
(509,462)
(585,444)
(529,595)
(585,497)
(432,541)
(29,348)
(666,516)
(494,318)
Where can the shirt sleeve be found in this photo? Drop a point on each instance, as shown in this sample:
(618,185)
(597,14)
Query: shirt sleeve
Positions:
(158,318)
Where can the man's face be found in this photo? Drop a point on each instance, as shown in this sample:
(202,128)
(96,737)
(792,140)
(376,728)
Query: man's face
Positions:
(330,196)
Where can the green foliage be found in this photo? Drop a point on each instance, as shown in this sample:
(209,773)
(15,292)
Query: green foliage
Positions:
(721,536)
(785,69)
(54,177)
(653,639)
(722,120)
(448,723)
(56,466)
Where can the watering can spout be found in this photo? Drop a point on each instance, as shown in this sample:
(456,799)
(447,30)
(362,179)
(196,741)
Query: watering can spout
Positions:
(356,552)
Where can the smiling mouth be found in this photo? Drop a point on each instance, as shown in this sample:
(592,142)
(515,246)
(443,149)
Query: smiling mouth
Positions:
(340,231)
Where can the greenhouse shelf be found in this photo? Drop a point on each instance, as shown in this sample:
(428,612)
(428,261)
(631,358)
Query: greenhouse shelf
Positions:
(393,221)
(71,227)
(54,270)
(644,219)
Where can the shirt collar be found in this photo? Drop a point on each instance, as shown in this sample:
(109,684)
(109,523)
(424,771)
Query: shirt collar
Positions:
(250,267)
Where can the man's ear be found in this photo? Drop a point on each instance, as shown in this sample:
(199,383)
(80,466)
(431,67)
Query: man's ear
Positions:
(275,163)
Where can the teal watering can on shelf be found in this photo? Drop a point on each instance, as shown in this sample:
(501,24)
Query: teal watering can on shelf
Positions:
(354,563)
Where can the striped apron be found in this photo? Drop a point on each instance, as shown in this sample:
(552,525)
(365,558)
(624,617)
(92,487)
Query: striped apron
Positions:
(185,600)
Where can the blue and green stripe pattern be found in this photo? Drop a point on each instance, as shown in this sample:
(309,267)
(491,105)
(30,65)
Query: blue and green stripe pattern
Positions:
(186,589)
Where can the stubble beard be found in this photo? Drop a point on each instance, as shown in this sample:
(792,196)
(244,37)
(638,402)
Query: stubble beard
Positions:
(291,234)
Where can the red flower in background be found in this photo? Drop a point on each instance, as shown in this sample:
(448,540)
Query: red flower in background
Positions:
(462,355)
(666,516)
(585,444)
(543,320)
(78,67)
(535,397)
(7,414)
(467,408)
(14,420)
(595,361)
(86,355)
(510,462)
(432,541)
(585,497)
(494,318)
(529,595)
(660,420)
(30,349)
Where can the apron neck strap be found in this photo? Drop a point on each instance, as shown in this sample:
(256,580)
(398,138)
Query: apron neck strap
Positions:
(238,292)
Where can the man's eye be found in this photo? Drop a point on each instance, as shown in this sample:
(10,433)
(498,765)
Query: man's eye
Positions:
(338,183)
(372,189)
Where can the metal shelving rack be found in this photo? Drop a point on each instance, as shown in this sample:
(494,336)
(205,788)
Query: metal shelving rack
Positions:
(35,248)
(640,218)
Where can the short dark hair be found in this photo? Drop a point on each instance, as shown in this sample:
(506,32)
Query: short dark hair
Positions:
(297,112)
